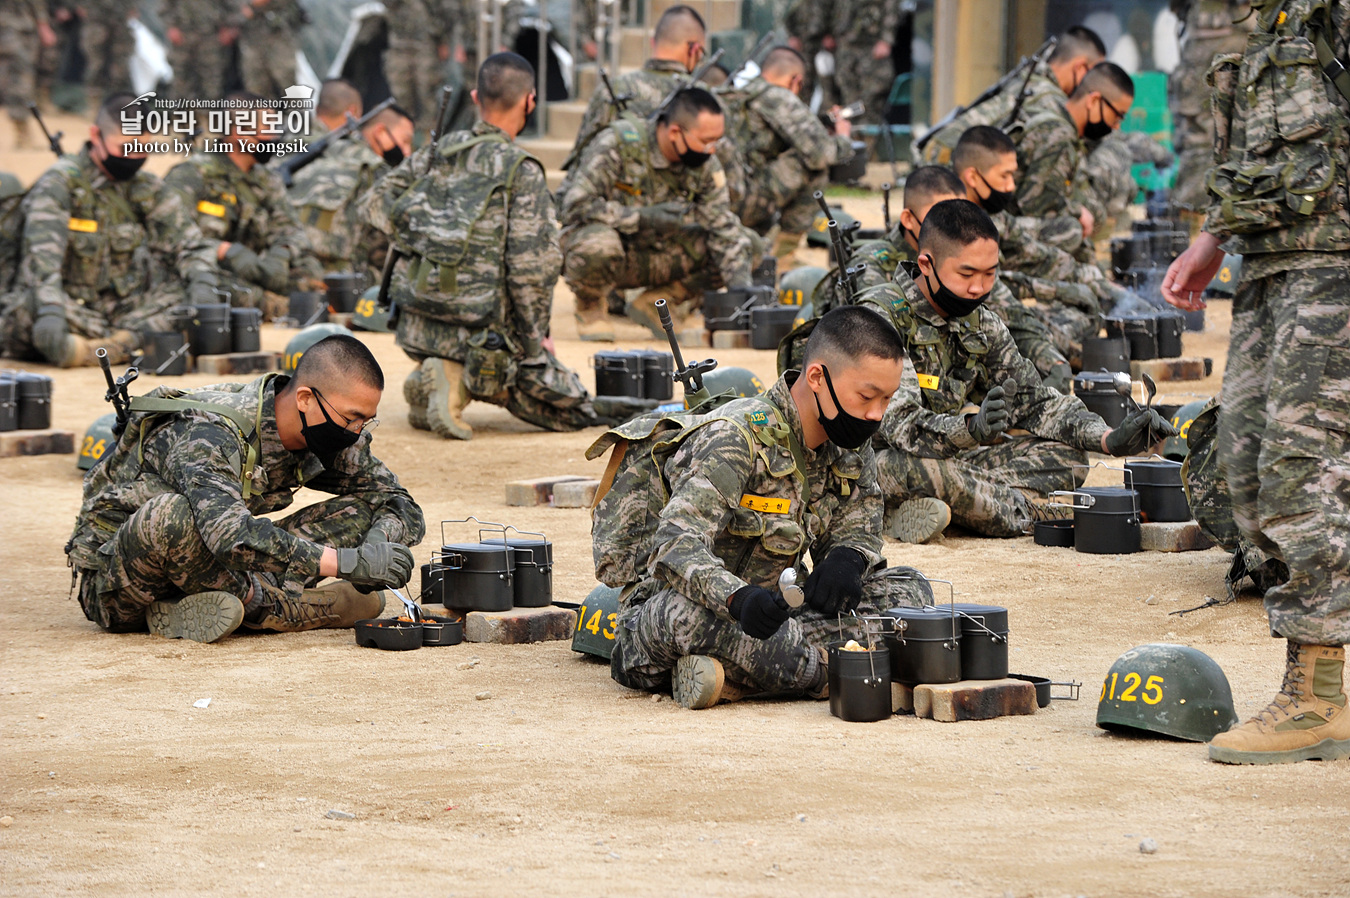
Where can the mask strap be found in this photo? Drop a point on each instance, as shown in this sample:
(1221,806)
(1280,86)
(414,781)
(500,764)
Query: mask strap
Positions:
(829,384)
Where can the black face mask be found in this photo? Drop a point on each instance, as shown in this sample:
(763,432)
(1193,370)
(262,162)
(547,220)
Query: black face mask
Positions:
(120,168)
(691,159)
(327,440)
(949,303)
(844,430)
(264,152)
(997,200)
(1097,130)
(392,156)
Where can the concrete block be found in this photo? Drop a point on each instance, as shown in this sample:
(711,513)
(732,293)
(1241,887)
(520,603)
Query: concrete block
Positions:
(1173,369)
(974,700)
(520,625)
(239,363)
(694,338)
(342,318)
(36,442)
(1181,536)
(538,491)
(575,493)
(731,339)
(902,698)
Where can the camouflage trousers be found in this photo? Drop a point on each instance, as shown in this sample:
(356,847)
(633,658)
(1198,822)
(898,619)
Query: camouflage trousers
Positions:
(199,66)
(597,259)
(1284,442)
(267,61)
(1068,325)
(158,553)
(414,72)
(988,487)
(139,312)
(780,192)
(18,70)
(652,635)
(245,295)
(108,44)
(858,76)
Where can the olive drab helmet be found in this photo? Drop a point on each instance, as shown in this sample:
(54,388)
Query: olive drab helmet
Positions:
(1175,448)
(369,315)
(99,440)
(597,619)
(307,338)
(1170,689)
(796,286)
(1226,278)
(737,381)
(819,235)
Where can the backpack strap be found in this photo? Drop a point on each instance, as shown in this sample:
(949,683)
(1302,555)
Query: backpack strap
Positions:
(1332,67)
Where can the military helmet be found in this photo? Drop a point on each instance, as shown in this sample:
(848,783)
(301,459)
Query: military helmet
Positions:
(819,235)
(99,440)
(796,286)
(739,381)
(9,185)
(369,315)
(597,621)
(1226,278)
(1175,447)
(1170,689)
(307,338)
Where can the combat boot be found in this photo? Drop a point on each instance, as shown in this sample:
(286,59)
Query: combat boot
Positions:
(201,617)
(699,682)
(785,249)
(345,603)
(1308,720)
(593,322)
(642,310)
(820,689)
(447,396)
(918,520)
(415,394)
(23,136)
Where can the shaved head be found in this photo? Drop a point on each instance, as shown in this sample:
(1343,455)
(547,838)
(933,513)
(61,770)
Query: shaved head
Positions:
(678,26)
(334,362)
(929,182)
(1107,79)
(338,96)
(844,336)
(504,79)
(952,225)
(783,61)
(981,147)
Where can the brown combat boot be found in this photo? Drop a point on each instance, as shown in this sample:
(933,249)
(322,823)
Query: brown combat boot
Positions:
(1308,719)
(447,396)
(820,690)
(593,320)
(918,520)
(642,310)
(785,249)
(699,681)
(415,394)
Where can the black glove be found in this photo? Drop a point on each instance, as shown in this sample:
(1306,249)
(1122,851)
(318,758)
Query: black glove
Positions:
(1060,378)
(1140,429)
(760,612)
(202,292)
(992,418)
(49,335)
(376,564)
(835,586)
(662,218)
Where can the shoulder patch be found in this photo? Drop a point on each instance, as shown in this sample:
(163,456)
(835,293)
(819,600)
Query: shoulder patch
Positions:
(215,210)
(83,225)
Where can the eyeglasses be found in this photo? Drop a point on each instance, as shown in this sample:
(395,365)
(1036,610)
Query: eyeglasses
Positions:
(365,426)
(1120,116)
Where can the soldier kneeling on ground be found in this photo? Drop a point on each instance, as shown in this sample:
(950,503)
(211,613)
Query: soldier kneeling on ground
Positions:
(752,487)
(171,534)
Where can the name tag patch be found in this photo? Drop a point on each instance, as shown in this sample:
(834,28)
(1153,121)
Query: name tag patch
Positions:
(208,208)
(83,225)
(765,505)
(928,381)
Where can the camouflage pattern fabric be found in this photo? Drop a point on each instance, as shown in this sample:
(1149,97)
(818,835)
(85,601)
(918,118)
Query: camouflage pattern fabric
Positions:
(164,514)
(98,252)
(268,42)
(858,75)
(251,211)
(1043,95)
(19,47)
(623,170)
(108,45)
(1049,152)
(326,196)
(645,89)
(808,21)
(418,30)
(200,61)
(786,152)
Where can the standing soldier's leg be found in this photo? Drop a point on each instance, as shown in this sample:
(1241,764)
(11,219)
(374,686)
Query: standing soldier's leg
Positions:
(18,79)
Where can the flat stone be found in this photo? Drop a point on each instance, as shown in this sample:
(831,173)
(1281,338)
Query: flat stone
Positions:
(1180,536)
(731,339)
(537,490)
(902,698)
(575,493)
(694,338)
(239,363)
(1173,369)
(974,699)
(342,318)
(36,442)
(520,625)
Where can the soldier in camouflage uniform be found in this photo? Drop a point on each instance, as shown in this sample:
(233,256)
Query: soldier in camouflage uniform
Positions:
(1051,82)
(262,251)
(421,33)
(752,489)
(947,431)
(648,207)
(499,351)
(1207,28)
(807,23)
(467,52)
(785,149)
(104,247)
(201,36)
(1279,188)
(861,35)
(23,31)
(268,42)
(171,533)
(1108,182)
(326,194)
(108,45)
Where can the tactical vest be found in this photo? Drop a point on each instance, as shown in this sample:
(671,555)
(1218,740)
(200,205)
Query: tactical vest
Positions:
(103,234)
(1282,133)
(634,150)
(224,214)
(737,103)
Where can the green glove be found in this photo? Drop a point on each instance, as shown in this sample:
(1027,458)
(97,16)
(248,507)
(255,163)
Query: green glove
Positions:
(992,418)
(662,218)
(49,336)
(376,564)
(1140,430)
(1060,378)
(203,293)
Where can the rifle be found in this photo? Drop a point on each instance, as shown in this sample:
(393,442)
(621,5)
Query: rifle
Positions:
(620,103)
(694,77)
(1051,43)
(393,255)
(689,375)
(1027,63)
(754,51)
(292,164)
(886,205)
(117,389)
(53,140)
(847,279)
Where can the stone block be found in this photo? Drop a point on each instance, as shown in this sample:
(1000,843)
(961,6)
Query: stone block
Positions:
(1180,536)
(537,491)
(239,363)
(694,338)
(731,339)
(902,698)
(575,493)
(36,442)
(1173,369)
(974,700)
(520,625)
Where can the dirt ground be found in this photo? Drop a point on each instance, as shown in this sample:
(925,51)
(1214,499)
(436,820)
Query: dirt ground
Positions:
(562,782)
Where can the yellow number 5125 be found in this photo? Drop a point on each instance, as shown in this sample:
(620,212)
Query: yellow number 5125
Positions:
(1151,694)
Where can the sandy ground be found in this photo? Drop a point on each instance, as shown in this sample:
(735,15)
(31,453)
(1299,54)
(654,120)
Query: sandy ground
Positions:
(562,782)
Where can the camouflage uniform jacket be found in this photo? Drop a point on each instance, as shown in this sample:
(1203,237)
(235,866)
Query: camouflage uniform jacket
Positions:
(197,16)
(326,197)
(645,89)
(250,210)
(87,240)
(532,255)
(1035,269)
(1049,151)
(623,169)
(422,20)
(275,16)
(955,362)
(765,121)
(1043,95)
(742,509)
(864,22)
(200,455)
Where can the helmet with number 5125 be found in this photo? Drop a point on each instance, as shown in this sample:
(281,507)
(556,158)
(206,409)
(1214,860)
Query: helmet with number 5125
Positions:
(1170,689)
